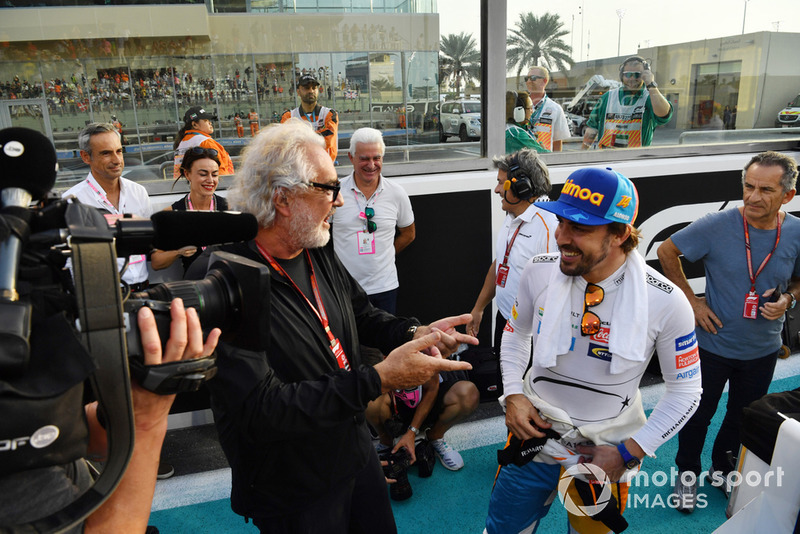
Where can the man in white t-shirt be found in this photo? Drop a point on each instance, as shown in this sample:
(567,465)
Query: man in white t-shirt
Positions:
(547,123)
(101,148)
(595,314)
(364,227)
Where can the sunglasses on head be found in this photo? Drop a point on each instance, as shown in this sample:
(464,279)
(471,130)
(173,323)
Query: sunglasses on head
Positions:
(533,78)
(590,322)
(632,74)
(333,187)
(197,150)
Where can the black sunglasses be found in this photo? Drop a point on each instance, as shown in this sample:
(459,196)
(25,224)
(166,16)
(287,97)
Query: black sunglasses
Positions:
(534,78)
(371,225)
(197,150)
(632,74)
(333,187)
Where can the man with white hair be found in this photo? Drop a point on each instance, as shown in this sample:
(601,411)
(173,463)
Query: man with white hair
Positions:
(290,416)
(547,122)
(364,227)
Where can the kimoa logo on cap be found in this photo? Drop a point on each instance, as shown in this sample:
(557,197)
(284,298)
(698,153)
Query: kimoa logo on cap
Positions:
(583,193)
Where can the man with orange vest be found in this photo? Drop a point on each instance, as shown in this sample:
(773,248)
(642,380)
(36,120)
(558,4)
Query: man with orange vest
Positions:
(237,121)
(325,121)
(547,122)
(627,116)
(253,117)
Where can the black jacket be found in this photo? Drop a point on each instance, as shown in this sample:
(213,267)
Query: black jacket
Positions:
(290,422)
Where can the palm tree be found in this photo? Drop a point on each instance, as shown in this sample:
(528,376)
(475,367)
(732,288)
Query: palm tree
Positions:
(537,41)
(459,59)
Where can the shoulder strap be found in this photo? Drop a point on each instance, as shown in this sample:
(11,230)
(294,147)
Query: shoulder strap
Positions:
(103,333)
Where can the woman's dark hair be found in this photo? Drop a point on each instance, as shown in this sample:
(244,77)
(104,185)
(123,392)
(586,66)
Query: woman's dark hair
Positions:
(178,138)
(190,157)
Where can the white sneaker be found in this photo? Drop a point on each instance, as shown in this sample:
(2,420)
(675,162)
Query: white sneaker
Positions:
(449,457)
(684,496)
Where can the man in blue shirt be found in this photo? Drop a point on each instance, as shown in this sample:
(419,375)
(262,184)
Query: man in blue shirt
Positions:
(747,252)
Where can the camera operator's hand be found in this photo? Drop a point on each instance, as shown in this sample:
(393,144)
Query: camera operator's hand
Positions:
(185,343)
(128,508)
(407,366)
(451,338)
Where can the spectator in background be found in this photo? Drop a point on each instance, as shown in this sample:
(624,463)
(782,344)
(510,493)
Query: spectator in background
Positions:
(627,116)
(196,131)
(547,121)
(518,111)
(325,121)
(200,167)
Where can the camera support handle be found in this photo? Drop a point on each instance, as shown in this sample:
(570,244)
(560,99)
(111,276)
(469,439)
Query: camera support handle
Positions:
(102,327)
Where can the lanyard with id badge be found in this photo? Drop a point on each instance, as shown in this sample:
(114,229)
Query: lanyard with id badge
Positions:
(366,238)
(502,270)
(319,311)
(751,299)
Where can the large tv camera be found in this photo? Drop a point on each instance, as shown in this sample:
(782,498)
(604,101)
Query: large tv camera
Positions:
(60,327)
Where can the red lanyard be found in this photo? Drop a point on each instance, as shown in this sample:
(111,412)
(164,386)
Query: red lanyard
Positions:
(511,244)
(749,256)
(319,311)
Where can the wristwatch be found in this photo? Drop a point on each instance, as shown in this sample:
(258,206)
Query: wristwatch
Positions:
(652,85)
(628,459)
(794,301)
(414,429)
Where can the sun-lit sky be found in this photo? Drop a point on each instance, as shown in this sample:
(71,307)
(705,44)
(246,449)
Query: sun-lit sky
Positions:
(643,23)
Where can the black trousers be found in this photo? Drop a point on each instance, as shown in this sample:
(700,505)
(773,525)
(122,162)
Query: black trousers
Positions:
(359,506)
(749,381)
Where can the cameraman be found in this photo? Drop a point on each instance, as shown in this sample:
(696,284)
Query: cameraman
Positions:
(30,495)
(626,117)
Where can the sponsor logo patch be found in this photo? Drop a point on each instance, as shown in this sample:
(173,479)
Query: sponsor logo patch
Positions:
(508,327)
(545,258)
(687,358)
(602,336)
(599,352)
(582,193)
(685,342)
(655,282)
(514,313)
(688,374)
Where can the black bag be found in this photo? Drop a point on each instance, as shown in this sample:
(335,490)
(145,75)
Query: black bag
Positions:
(791,330)
(43,420)
(485,373)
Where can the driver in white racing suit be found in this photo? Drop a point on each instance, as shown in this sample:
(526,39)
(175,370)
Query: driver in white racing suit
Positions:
(595,314)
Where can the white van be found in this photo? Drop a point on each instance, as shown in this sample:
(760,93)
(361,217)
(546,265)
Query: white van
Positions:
(790,115)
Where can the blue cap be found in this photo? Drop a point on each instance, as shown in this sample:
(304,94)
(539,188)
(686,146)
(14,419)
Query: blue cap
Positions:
(594,196)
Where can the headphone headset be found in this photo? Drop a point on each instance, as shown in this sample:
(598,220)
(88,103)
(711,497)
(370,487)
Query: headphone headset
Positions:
(632,59)
(519,108)
(517,181)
